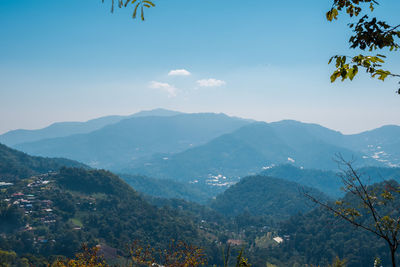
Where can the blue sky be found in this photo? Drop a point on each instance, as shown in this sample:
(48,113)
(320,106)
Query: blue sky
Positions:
(73,60)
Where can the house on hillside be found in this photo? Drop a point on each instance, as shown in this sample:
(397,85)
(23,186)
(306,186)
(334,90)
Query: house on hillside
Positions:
(235,242)
(278,239)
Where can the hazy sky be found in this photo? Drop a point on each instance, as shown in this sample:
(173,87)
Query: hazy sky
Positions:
(63,60)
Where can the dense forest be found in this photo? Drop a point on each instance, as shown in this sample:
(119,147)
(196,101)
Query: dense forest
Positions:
(334,236)
(272,198)
(329,182)
(53,214)
(165,188)
(15,164)
(50,210)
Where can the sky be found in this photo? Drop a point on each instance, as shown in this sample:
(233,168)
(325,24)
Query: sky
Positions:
(74,60)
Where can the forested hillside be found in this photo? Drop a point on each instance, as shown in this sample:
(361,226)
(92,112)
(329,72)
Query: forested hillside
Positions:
(264,196)
(15,164)
(330,182)
(318,237)
(54,214)
(164,188)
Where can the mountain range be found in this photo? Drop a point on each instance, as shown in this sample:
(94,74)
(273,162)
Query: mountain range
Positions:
(256,147)
(47,209)
(133,139)
(205,148)
(62,129)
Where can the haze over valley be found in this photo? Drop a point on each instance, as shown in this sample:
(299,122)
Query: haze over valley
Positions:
(207,149)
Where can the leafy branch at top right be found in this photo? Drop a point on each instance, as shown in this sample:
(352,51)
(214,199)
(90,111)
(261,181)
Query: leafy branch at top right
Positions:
(370,35)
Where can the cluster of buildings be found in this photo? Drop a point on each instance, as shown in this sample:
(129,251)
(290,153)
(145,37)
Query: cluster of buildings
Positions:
(219,180)
(28,199)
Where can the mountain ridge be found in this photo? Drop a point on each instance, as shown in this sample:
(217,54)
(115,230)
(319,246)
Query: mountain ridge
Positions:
(247,151)
(162,147)
(136,137)
(63,129)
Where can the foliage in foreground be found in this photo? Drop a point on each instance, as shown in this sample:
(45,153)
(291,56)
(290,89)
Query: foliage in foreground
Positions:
(369,34)
(179,254)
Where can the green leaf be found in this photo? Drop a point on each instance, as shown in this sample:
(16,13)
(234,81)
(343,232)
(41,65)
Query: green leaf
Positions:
(334,76)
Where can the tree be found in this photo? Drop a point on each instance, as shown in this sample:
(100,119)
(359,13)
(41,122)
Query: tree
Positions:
(337,262)
(369,35)
(9,258)
(137,5)
(178,254)
(89,257)
(241,261)
(372,208)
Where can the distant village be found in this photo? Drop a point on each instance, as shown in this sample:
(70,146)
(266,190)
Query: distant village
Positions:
(29,201)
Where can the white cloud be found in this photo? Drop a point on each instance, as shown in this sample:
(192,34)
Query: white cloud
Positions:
(170,89)
(210,83)
(181,72)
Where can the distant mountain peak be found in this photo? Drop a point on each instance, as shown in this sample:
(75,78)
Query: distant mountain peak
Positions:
(64,129)
(156,112)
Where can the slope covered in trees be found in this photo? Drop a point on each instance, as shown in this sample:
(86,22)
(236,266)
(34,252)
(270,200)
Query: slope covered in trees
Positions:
(15,164)
(329,182)
(165,188)
(53,214)
(318,236)
(264,196)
